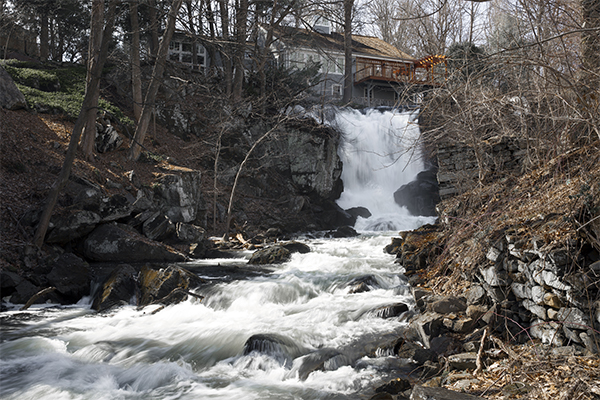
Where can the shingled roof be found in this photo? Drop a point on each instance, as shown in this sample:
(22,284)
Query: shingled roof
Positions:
(366,46)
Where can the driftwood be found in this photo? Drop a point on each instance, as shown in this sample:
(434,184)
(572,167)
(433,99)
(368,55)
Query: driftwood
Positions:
(37,296)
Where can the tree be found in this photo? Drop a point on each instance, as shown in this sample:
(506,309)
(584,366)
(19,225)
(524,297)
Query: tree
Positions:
(95,73)
(155,80)
(136,71)
(348,78)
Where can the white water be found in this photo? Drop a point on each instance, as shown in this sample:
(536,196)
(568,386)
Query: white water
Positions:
(194,350)
(380,153)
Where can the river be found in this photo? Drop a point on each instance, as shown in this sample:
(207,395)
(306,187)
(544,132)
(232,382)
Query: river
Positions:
(196,349)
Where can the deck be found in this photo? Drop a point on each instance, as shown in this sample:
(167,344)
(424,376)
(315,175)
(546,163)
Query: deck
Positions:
(430,70)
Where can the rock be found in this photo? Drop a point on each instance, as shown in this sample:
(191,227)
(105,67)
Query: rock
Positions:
(356,212)
(389,311)
(270,255)
(115,207)
(8,282)
(70,275)
(120,243)
(363,284)
(428,325)
(462,325)
(394,387)
(421,195)
(395,246)
(494,277)
(382,396)
(23,292)
(573,318)
(158,227)
(548,333)
(119,288)
(476,312)
(435,393)
(344,232)
(179,196)
(463,361)
(187,233)
(475,294)
(416,353)
(156,284)
(447,305)
(538,311)
(71,225)
(283,349)
(107,138)
(552,300)
(296,247)
(11,97)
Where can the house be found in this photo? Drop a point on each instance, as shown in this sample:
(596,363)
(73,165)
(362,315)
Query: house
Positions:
(181,50)
(382,74)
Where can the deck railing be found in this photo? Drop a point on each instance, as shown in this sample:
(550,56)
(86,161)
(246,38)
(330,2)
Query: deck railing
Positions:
(427,71)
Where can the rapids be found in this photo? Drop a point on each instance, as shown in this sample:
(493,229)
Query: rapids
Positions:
(196,349)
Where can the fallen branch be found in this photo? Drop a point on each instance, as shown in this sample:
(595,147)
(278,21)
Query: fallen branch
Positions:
(37,296)
(478,362)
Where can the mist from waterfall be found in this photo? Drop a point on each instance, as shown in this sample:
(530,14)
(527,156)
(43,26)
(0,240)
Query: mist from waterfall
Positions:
(380,153)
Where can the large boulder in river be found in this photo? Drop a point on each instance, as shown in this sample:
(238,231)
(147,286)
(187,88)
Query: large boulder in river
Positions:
(421,195)
(121,243)
(118,289)
(157,284)
(270,255)
(70,275)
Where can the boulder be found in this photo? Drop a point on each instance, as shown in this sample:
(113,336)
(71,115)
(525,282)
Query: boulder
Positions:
(270,255)
(71,225)
(156,284)
(416,353)
(70,275)
(11,97)
(23,292)
(119,288)
(363,284)
(296,247)
(447,305)
(179,196)
(283,349)
(8,282)
(344,232)
(115,207)
(356,212)
(463,360)
(389,311)
(158,227)
(187,233)
(121,243)
(421,195)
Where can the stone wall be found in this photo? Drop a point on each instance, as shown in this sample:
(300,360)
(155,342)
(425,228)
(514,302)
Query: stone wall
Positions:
(460,166)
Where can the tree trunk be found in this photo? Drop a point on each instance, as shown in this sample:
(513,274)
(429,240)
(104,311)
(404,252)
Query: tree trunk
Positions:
(590,57)
(89,134)
(225,53)
(136,71)
(153,29)
(157,74)
(241,31)
(95,72)
(348,78)
(44,46)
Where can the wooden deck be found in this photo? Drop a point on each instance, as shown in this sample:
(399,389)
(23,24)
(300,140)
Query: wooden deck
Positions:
(430,70)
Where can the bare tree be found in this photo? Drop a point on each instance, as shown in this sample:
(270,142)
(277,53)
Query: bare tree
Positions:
(155,81)
(94,72)
(136,71)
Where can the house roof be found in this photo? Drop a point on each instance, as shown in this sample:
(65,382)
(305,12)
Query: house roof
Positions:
(362,46)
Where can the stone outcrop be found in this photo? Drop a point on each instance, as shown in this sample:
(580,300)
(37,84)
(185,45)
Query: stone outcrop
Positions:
(421,195)
(121,243)
(11,97)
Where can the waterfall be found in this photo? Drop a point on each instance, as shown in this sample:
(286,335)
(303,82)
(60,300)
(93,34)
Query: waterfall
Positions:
(380,153)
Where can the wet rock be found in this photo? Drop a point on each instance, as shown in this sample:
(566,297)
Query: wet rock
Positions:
(120,243)
(463,361)
(344,232)
(362,284)
(283,349)
(356,212)
(389,311)
(118,289)
(382,396)
(8,282)
(71,225)
(296,247)
(434,393)
(315,361)
(156,284)
(421,195)
(23,292)
(270,255)
(395,246)
(70,275)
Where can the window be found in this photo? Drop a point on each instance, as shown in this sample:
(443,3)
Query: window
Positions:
(174,46)
(368,94)
(187,47)
(336,91)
